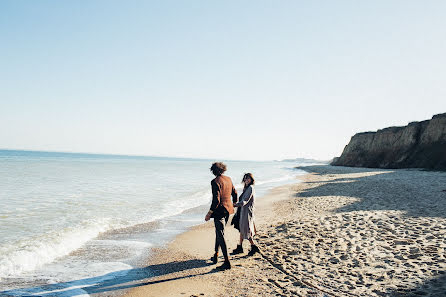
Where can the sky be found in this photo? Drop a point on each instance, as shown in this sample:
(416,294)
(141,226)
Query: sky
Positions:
(246,80)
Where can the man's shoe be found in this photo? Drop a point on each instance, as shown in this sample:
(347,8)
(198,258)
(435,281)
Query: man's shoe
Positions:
(254,249)
(226,265)
(238,250)
(214,258)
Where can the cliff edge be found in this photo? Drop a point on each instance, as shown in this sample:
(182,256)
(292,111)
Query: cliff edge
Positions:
(417,145)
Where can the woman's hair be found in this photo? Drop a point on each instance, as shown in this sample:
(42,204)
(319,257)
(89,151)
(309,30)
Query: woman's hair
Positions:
(250,176)
(218,168)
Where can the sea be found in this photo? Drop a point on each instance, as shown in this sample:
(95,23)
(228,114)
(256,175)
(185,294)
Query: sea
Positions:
(69,221)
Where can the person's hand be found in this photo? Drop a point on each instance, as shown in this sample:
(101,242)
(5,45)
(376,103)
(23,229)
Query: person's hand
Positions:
(208,216)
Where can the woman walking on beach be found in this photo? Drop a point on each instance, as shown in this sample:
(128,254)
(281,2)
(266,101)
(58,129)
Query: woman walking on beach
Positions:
(246,224)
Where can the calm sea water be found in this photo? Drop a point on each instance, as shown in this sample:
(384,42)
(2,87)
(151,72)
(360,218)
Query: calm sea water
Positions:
(66,217)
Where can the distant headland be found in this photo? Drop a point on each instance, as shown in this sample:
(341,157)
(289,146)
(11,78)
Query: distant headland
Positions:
(417,145)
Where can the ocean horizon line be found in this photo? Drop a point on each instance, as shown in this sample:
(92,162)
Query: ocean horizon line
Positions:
(123,156)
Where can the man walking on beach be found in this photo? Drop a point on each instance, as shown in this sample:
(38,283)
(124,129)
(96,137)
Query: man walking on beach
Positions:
(221,208)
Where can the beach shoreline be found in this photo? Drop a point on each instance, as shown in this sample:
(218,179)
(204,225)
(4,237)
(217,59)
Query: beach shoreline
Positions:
(191,250)
(339,232)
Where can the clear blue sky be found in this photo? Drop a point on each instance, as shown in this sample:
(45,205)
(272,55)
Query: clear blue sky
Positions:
(216,79)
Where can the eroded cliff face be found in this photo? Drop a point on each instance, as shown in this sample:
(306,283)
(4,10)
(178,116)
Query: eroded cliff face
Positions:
(417,145)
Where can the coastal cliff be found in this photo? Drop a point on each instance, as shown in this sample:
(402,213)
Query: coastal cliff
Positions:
(417,145)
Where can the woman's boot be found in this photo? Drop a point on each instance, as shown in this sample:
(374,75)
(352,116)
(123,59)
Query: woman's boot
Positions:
(238,250)
(254,249)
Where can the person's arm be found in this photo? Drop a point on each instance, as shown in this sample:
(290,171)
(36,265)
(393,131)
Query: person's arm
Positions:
(245,197)
(215,196)
(215,199)
(234,195)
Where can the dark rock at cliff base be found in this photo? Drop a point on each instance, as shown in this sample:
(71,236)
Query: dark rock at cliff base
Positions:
(417,145)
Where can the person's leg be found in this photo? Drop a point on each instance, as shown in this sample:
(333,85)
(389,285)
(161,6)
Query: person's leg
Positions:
(220,232)
(217,243)
(220,229)
(254,248)
(214,258)
(239,248)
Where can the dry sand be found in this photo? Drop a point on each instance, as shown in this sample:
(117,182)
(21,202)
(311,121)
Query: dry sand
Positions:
(341,232)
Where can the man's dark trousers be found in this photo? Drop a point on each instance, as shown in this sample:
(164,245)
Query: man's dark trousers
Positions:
(220,235)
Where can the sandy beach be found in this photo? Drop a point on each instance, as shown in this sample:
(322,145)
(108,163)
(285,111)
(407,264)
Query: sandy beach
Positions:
(339,232)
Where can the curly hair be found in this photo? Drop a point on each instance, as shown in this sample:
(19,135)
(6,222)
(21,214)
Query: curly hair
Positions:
(218,168)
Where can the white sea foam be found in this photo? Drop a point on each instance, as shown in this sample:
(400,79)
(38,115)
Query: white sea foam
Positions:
(276,180)
(177,206)
(29,254)
(68,291)
(75,279)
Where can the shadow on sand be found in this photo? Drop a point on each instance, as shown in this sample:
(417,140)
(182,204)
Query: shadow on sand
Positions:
(119,280)
(429,286)
(377,192)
